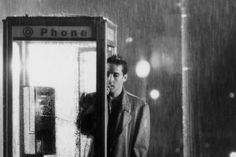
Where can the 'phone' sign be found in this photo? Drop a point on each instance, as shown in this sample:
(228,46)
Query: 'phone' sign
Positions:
(52,32)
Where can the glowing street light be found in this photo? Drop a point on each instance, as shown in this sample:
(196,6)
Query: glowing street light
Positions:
(142,69)
(231,95)
(154,94)
(232,154)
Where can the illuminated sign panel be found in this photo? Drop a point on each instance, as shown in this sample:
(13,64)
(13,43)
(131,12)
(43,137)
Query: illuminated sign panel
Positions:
(52,32)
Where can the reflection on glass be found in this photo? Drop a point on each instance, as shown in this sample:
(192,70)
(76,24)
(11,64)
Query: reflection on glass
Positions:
(16,102)
(48,79)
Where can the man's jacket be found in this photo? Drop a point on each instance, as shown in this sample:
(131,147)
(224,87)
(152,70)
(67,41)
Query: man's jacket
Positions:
(132,129)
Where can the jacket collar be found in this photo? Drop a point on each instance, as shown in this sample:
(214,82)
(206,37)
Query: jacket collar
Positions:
(126,106)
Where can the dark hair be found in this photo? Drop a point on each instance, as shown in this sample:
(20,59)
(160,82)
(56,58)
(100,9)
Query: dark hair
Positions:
(118,60)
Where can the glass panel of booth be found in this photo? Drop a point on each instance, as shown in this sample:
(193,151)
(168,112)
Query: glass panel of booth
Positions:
(48,79)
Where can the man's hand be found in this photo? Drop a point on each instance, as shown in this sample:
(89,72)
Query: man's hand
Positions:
(108,89)
(87,103)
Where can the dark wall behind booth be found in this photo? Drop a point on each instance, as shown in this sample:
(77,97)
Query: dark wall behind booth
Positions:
(147,30)
(212,78)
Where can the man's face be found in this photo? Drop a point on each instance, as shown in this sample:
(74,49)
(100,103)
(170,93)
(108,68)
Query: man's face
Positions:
(115,79)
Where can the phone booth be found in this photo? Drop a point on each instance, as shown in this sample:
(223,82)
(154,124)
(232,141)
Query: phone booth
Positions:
(48,63)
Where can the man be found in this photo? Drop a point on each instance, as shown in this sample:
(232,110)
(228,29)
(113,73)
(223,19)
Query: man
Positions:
(128,129)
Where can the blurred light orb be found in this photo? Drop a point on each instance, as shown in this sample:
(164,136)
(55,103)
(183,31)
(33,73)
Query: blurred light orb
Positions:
(142,69)
(232,154)
(206,145)
(231,95)
(154,94)
(129,40)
